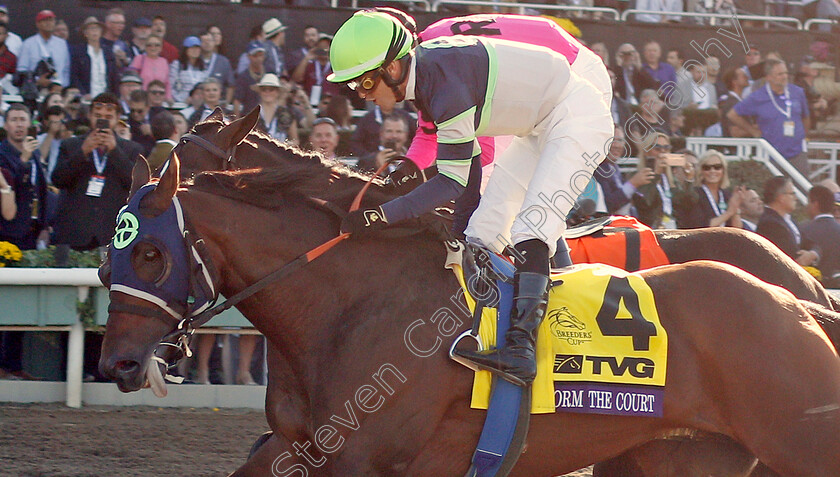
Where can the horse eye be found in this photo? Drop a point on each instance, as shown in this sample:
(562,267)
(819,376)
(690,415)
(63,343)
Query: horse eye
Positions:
(149,262)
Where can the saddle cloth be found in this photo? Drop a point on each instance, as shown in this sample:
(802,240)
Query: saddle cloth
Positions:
(620,241)
(601,329)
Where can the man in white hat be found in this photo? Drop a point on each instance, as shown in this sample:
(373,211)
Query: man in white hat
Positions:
(275,38)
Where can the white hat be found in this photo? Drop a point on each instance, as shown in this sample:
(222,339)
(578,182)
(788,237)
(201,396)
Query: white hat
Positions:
(272,26)
(270,80)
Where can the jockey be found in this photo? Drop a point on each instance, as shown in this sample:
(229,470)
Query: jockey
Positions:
(473,86)
(527,29)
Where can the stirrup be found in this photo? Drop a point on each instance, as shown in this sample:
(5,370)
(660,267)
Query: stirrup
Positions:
(460,359)
(476,366)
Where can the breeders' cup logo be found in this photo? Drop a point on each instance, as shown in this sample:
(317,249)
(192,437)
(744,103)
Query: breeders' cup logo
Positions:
(566,326)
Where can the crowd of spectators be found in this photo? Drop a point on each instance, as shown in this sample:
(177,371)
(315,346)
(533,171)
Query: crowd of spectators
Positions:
(92,105)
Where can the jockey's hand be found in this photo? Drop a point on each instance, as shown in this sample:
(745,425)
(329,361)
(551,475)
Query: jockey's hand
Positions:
(408,176)
(364,221)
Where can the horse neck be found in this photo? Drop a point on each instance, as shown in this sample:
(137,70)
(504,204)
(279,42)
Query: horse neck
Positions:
(347,289)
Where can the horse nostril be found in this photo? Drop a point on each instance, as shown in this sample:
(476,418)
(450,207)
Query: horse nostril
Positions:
(126,368)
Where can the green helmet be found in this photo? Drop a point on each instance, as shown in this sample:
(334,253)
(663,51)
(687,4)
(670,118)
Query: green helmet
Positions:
(367,41)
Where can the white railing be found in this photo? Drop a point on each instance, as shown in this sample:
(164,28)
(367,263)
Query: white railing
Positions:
(760,150)
(818,21)
(826,166)
(526,6)
(795,21)
(355,3)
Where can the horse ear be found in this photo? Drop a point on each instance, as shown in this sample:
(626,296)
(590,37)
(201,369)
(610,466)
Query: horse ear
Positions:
(140,175)
(159,199)
(235,132)
(216,115)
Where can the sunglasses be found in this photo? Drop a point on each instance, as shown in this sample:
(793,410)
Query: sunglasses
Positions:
(663,147)
(149,45)
(157,92)
(709,167)
(365,84)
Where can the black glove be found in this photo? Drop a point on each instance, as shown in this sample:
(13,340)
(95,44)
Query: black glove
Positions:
(364,221)
(408,176)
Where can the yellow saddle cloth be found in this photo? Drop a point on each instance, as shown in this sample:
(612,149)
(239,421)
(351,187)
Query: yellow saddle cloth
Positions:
(601,348)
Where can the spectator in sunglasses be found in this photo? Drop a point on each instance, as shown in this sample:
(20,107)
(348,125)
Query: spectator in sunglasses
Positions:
(139,120)
(717,205)
(151,66)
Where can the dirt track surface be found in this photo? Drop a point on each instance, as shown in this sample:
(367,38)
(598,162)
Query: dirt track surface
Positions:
(51,440)
(54,440)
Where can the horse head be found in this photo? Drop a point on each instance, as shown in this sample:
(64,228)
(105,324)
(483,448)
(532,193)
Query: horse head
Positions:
(212,144)
(148,272)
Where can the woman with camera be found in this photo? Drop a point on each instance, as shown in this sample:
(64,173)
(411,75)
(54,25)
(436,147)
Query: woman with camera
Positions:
(667,201)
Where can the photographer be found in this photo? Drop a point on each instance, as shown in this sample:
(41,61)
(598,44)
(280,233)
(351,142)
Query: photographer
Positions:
(19,155)
(664,202)
(312,71)
(93,173)
(393,142)
(45,55)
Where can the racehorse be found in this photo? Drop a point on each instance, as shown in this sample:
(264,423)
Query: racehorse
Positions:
(358,384)
(217,145)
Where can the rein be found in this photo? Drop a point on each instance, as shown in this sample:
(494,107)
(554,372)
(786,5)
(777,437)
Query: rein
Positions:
(188,324)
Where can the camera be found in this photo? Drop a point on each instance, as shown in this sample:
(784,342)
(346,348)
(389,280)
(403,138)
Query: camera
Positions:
(390,144)
(45,68)
(32,131)
(321,52)
(102,124)
(674,160)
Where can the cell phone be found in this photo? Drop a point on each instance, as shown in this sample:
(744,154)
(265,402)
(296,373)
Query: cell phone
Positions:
(674,160)
(392,145)
(321,52)
(102,124)
(32,131)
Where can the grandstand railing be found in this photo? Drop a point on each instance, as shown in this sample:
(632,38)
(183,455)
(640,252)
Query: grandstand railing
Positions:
(528,6)
(818,21)
(355,3)
(757,149)
(764,18)
(827,167)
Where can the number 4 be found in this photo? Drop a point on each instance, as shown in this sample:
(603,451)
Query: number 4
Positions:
(636,326)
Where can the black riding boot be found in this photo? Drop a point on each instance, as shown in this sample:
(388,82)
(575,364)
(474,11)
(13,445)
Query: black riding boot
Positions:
(516,362)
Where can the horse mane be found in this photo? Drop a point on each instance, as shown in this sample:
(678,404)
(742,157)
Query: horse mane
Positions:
(296,173)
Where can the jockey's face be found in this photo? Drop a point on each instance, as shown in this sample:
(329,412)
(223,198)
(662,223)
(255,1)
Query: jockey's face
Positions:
(382,94)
